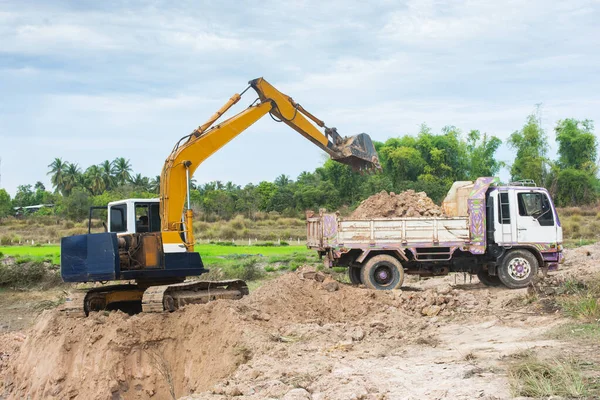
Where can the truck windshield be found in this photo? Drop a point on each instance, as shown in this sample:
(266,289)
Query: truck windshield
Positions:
(536,205)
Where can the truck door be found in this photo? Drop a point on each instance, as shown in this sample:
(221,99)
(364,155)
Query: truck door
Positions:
(535,218)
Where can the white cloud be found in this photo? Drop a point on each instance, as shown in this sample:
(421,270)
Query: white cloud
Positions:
(93,82)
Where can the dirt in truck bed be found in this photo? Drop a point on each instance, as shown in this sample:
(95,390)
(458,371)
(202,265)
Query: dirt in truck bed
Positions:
(390,205)
(300,336)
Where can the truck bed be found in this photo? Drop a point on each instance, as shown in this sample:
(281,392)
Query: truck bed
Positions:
(329,231)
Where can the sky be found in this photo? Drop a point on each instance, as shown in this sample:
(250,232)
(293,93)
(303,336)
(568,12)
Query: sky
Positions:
(88,81)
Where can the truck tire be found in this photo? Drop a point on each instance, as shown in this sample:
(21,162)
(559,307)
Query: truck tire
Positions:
(518,268)
(487,279)
(354,274)
(382,272)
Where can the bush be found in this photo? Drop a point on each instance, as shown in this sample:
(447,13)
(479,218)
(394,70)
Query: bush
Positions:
(250,270)
(26,273)
(201,226)
(5,240)
(227,232)
(238,223)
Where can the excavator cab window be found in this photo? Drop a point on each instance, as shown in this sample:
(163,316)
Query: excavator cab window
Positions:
(147,218)
(118,218)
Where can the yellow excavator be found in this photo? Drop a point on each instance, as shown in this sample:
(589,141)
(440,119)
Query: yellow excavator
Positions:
(151,241)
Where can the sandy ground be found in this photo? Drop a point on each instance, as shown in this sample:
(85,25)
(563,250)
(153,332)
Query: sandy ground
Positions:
(293,338)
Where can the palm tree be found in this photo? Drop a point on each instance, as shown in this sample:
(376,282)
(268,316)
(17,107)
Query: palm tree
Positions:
(94,180)
(140,182)
(122,170)
(57,170)
(107,171)
(72,178)
(282,180)
(155,184)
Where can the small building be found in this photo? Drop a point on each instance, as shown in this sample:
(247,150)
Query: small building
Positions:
(20,211)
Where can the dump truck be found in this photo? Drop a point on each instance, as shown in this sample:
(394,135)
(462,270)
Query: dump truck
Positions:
(505,234)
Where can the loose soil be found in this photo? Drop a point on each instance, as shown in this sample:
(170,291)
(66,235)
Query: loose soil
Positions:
(389,205)
(300,336)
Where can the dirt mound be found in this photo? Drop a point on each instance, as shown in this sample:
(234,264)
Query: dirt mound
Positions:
(389,205)
(114,355)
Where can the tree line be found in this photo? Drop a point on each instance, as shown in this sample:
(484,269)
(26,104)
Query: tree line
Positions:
(427,161)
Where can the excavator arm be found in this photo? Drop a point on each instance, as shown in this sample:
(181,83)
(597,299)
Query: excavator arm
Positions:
(356,151)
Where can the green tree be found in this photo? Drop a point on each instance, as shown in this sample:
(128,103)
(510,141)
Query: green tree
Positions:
(24,197)
(573,177)
(57,170)
(265,191)
(575,187)
(122,170)
(71,178)
(531,145)
(75,206)
(155,184)
(107,172)
(141,183)
(482,155)
(6,207)
(445,155)
(403,163)
(577,145)
(94,180)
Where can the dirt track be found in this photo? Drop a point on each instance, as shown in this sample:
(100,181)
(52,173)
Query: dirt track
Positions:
(291,339)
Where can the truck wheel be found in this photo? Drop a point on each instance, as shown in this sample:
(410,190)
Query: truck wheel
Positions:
(354,275)
(487,279)
(517,269)
(382,272)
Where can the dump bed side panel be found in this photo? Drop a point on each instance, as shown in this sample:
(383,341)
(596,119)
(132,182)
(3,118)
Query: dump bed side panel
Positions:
(404,231)
(328,231)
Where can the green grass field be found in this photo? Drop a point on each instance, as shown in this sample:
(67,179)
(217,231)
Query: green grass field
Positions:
(212,254)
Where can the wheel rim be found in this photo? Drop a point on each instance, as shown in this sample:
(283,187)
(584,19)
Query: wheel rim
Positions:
(383,275)
(519,268)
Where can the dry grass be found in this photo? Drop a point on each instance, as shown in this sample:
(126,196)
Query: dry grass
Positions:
(45,229)
(533,377)
(268,227)
(581,225)
(581,300)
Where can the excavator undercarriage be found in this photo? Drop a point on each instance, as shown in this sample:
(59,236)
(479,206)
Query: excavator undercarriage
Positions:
(135,298)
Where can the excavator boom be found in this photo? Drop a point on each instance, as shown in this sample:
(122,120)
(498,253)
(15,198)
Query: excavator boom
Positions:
(355,151)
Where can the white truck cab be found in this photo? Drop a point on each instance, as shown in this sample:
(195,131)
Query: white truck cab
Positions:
(524,216)
(134,216)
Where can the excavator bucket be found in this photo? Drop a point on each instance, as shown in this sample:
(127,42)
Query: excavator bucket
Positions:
(359,153)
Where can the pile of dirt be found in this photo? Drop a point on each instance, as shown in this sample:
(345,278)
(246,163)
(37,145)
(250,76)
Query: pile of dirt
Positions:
(190,350)
(389,205)
(112,355)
